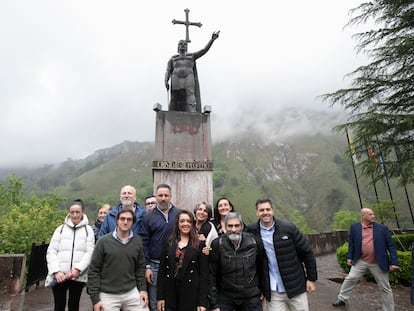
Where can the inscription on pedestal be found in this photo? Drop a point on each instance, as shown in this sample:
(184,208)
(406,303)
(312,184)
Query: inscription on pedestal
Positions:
(183,165)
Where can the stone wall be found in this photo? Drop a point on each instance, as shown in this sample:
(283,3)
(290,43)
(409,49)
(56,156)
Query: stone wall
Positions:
(327,242)
(12,270)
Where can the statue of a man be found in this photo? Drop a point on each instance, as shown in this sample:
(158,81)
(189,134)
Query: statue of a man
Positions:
(181,68)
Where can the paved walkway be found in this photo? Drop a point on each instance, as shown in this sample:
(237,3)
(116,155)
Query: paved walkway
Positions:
(365,295)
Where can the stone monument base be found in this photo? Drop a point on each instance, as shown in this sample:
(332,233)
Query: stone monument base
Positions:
(183,156)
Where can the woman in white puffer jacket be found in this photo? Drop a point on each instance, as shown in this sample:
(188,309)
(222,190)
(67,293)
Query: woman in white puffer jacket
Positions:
(68,257)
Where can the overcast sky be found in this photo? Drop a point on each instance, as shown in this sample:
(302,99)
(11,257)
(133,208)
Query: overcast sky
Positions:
(81,75)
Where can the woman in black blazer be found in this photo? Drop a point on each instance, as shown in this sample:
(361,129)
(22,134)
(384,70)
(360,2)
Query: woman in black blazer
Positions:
(182,277)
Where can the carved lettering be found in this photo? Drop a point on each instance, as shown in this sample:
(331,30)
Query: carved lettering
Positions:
(183,165)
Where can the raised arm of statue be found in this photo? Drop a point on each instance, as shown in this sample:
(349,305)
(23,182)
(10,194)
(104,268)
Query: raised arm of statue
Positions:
(200,53)
(181,78)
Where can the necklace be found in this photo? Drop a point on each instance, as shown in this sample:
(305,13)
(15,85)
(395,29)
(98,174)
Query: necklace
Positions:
(182,244)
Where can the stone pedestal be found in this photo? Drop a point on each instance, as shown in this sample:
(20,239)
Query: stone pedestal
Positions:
(183,157)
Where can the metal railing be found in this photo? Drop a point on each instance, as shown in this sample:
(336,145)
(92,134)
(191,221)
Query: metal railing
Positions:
(37,269)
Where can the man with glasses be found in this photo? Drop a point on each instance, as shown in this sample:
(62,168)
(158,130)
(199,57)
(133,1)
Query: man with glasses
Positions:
(116,277)
(128,198)
(150,202)
(235,267)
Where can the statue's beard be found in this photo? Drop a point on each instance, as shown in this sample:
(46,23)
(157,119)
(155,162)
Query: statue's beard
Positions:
(234,236)
(127,203)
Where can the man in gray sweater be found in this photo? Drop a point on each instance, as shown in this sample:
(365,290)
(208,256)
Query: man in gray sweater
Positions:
(116,277)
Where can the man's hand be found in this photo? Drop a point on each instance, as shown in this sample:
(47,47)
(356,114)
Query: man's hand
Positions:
(143,295)
(394,268)
(215,35)
(310,287)
(149,275)
(99,306)
(349,262)
(161,305)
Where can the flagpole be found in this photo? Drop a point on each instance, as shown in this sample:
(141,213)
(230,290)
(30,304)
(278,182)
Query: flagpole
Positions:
(353,167)
(382,163)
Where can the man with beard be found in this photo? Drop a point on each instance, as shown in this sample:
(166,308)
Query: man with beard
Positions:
(155,227)
(289,265)
(127,197)
(235,268)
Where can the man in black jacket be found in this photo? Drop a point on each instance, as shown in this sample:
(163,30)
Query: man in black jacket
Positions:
(235,268)
(287,253)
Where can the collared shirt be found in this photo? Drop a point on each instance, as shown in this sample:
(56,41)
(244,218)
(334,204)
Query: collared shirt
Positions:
(163,212)
(367,246)
(116,237)
(276,283)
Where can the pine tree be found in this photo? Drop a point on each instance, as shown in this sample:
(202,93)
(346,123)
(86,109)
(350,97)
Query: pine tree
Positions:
(380,100)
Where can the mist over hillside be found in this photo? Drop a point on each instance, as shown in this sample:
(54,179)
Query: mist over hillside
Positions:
(294,158)
(279,126)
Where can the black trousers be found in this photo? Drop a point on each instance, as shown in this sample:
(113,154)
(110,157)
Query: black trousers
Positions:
(60,292)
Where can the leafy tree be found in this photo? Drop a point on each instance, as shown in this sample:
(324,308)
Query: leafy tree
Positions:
(380,99)
(26,221)
(300,222)
(343,219)
(383,211)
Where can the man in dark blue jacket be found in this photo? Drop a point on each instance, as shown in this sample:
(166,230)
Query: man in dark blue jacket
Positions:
(127,197)
(370,245)
(289,265)
(156,225)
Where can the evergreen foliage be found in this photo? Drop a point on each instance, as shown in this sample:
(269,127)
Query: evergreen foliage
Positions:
(380,99)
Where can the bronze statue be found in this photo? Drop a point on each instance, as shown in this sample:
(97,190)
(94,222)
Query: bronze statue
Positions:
(181,69)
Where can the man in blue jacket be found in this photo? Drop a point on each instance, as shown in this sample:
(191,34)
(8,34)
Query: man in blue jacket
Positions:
(156,226)
(127,197)
(370,249)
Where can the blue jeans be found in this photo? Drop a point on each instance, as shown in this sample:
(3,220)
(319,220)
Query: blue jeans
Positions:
(152,287)
(249,304)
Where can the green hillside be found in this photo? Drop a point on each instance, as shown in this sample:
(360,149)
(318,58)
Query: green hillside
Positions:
(305,175)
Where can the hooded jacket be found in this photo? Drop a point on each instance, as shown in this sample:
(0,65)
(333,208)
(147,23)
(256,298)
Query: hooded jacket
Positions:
(71,247)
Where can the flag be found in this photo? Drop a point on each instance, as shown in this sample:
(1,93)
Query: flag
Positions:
(352,147)
(371,153)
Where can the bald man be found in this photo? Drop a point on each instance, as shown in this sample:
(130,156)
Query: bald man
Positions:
(372,249)
(127,196)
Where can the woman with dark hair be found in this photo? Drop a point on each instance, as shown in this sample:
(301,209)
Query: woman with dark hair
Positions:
(181,282)
(68,257)
(102,211)
(206,230)
(223,207)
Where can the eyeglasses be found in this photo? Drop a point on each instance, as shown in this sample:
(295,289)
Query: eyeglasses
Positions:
(150,203)
(233,225)
(123,219)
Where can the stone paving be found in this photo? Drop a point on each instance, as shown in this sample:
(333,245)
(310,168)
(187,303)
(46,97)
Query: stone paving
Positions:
(365,295)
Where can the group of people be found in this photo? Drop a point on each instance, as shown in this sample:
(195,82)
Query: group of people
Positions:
(163,258)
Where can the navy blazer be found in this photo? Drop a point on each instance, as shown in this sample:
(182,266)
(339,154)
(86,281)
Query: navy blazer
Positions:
(385,252)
